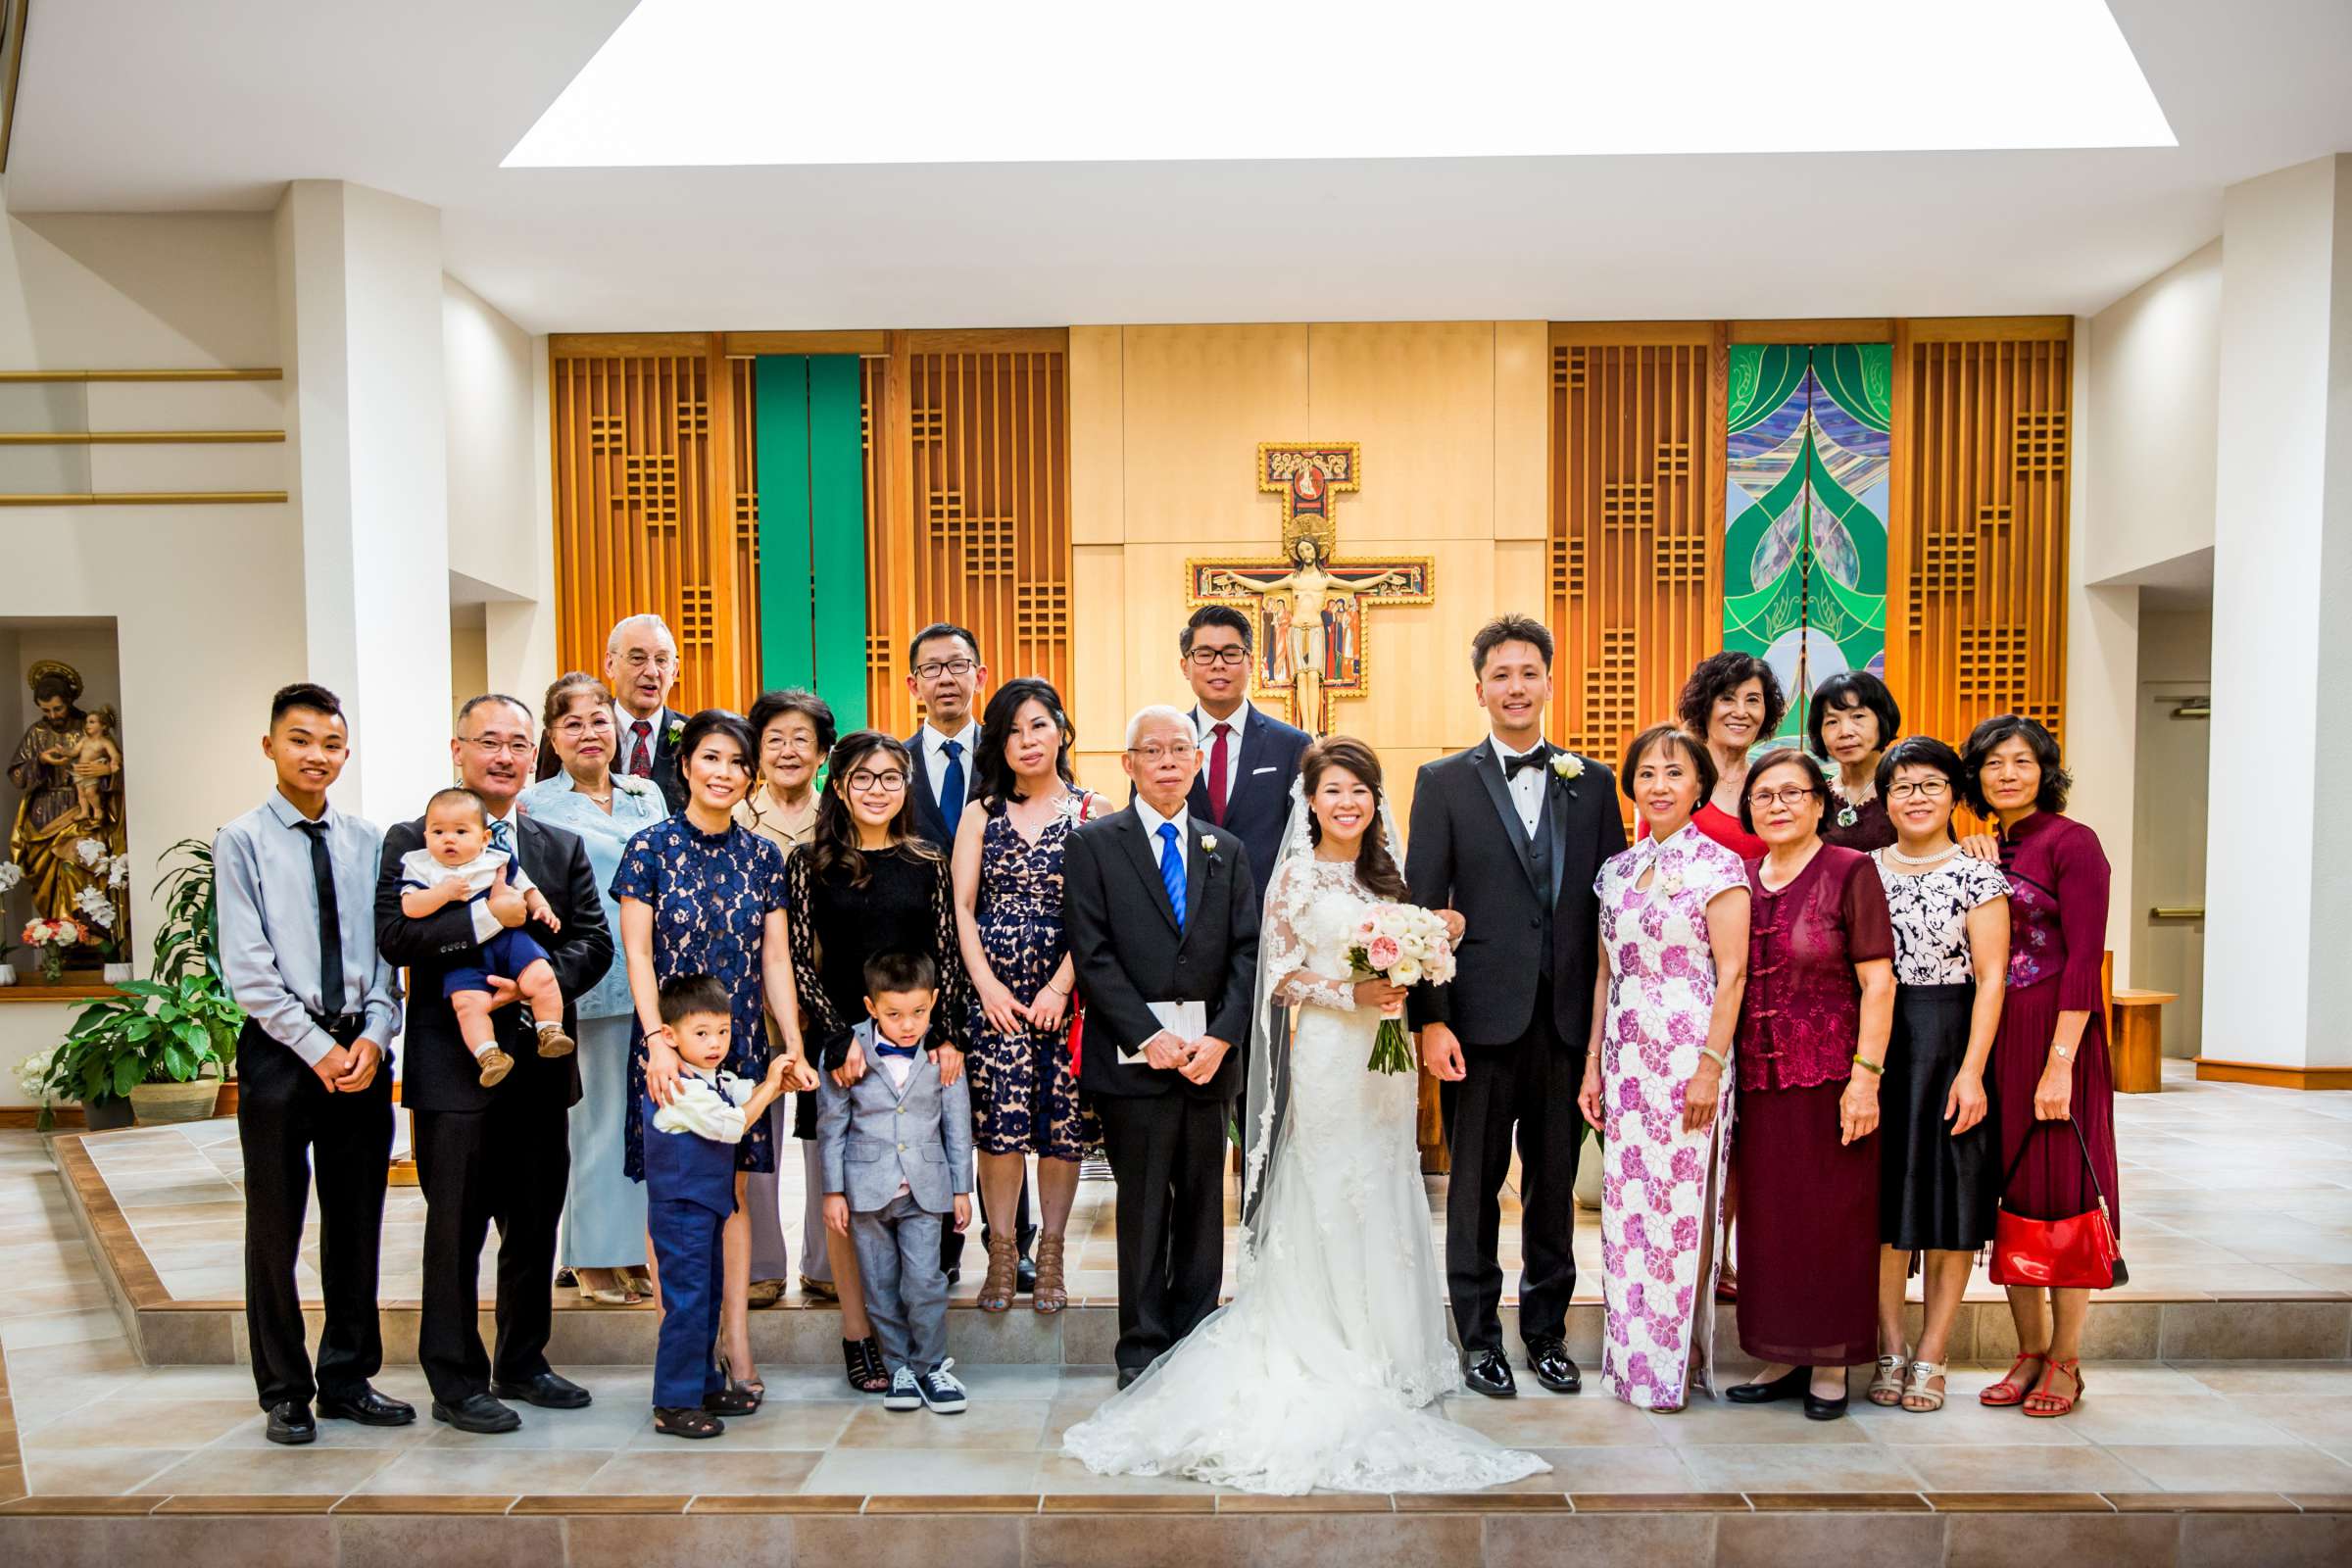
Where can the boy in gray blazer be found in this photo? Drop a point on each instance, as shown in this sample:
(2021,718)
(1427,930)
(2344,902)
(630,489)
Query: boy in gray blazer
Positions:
(896,1150)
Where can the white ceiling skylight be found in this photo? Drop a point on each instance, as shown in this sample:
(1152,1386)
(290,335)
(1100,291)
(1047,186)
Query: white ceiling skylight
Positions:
(940,81)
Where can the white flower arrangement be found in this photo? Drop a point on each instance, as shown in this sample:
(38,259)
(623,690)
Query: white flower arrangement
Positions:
(89,851)
(96,907)
(11,873)
(1567,765)
(33,1076)
(1403,945)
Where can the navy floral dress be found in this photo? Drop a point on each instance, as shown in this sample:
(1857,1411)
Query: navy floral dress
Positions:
(1024,1096)
(710,894)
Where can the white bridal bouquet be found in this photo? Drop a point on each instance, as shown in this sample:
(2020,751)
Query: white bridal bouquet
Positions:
(1403,945)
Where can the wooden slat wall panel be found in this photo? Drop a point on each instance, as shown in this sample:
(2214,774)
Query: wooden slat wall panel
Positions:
(1978,560)
(1636,523)
(652,475)
(984,537)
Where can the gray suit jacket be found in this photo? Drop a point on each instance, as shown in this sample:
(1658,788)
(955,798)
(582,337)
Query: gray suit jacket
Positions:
(870,1137)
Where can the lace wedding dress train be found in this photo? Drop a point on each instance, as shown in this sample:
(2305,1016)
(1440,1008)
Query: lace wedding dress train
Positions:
(1318,1372)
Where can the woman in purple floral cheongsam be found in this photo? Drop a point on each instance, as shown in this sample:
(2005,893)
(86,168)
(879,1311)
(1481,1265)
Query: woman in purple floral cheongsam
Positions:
(1674,961)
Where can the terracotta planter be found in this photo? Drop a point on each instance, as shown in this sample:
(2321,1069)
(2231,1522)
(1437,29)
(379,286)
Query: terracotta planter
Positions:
(157,1105)
(105,1114)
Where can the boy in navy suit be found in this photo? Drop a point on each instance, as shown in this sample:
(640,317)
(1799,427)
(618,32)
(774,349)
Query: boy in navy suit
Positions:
(690,1190)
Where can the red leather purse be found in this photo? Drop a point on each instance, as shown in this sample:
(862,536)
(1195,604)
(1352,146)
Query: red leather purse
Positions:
(2077,1253)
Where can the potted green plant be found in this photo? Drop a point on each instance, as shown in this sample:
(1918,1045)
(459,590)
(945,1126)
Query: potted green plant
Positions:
(162,1047)
(188,937)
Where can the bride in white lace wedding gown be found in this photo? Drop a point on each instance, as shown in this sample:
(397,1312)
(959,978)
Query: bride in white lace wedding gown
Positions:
(1317,1373)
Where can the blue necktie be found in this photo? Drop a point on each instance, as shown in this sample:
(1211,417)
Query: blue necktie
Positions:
(501,835)
(1171,870)
(950,785)
(883,1047)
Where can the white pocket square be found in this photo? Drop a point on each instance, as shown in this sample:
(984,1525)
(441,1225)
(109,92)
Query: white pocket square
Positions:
(1253,772)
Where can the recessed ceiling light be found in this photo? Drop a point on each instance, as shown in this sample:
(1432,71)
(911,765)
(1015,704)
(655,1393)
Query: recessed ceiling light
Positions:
(754,81)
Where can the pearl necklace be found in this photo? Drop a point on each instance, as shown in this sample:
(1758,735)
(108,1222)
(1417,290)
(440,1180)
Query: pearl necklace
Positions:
(1919,859)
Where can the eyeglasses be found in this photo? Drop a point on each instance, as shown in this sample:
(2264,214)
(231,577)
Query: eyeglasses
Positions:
(1926,789)
(491,746)
(1178,753)
(889,783)
(1206,657)
(571,729)
(1792,795)
(944,666)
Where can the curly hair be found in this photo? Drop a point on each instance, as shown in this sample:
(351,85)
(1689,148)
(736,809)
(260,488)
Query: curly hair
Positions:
(1375,867)
(1717,677)
(2055,779)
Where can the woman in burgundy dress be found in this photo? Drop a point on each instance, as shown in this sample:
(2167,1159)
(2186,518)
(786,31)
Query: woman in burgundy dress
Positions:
(2049,1061)
(1812,1045)
(1851,723)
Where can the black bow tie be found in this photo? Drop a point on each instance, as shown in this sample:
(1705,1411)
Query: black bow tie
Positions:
(1511,766)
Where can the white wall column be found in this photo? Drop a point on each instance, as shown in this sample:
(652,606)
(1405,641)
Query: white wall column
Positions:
(359,302)
(2278,881)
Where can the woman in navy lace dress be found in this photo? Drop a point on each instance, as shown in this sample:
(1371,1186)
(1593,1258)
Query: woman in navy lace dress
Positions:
(701,893)
(1008,865)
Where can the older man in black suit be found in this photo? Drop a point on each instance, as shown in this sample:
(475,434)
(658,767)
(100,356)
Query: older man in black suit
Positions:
(1163,919)
(641,667)
(501,1155)
(1512,834)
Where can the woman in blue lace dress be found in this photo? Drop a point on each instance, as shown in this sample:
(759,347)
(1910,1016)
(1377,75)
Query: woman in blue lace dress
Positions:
(1008,866)
(701,893)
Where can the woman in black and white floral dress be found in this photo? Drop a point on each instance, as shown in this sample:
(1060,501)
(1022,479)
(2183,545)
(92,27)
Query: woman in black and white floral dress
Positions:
(1940,1185)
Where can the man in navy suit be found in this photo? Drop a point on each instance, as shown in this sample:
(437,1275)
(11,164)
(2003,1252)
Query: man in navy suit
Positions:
(1247,759)
(641,665)
(946,675)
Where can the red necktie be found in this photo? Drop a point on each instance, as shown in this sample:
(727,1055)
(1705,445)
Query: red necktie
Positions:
(1219,781)
(641,764)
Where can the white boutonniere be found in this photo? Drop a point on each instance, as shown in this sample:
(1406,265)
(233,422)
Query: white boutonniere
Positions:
(677,727)
(1208,842)
(1567,765)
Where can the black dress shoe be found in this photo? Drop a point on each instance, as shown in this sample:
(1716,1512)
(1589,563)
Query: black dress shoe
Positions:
(1548,1360)
(1789,1385)
(1128,1374)
(477,1412)
(1024,1277)
(546,1391)
(290,1423)
(1491,1375)
(1818,1409)
(367,1407)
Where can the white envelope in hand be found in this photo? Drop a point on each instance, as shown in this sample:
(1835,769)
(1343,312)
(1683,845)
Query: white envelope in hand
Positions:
(1188,1022)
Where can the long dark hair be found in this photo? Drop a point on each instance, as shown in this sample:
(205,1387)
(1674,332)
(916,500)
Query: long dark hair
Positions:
(998,784)
(833,841)
(1375,867)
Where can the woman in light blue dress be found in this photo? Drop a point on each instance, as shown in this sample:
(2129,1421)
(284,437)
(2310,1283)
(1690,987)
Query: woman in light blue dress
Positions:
(604,1211)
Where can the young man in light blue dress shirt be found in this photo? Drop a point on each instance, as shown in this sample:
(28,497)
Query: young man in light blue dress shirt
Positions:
(295,888)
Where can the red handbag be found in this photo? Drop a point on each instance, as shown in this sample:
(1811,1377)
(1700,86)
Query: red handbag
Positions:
(2077,1253)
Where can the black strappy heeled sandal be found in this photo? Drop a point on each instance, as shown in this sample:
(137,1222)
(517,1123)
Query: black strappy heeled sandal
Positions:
(861,1361)
(683,1423)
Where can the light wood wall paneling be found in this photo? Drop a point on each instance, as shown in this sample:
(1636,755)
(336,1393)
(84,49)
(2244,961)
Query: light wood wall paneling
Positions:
(1978,524)
(1636,528)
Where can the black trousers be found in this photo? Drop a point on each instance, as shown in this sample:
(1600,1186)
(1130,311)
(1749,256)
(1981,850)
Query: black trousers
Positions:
(508,1165)
(1530,1085)
(290,1128)
(1167,1155)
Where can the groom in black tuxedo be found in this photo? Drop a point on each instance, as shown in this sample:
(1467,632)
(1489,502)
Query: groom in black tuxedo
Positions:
(1163,909)
(1512,833)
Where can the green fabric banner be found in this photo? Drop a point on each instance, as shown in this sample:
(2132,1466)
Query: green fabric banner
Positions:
(810,445)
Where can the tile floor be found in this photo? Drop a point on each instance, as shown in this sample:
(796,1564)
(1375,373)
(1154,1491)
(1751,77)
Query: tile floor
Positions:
(2226,1187)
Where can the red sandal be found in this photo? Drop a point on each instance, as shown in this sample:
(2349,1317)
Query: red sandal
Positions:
(2056,1404)
(2009,1391)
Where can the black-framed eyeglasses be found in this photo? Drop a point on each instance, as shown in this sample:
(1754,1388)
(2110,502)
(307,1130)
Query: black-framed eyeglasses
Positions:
(889,783)
(944,666)
(1926,789)
(1206,657)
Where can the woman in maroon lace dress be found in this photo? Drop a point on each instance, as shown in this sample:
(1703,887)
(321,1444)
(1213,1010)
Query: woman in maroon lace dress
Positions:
(2049,1062)
(1812,1044)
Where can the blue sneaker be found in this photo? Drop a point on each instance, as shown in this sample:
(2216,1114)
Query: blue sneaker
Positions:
(904,1393)
(940,1390)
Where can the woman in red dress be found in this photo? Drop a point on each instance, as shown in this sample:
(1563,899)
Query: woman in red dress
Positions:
(1732,700)
(2049,1061)
(1811,1047)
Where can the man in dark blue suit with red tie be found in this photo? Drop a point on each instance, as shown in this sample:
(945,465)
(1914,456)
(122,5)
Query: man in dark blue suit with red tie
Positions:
(1247,759)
